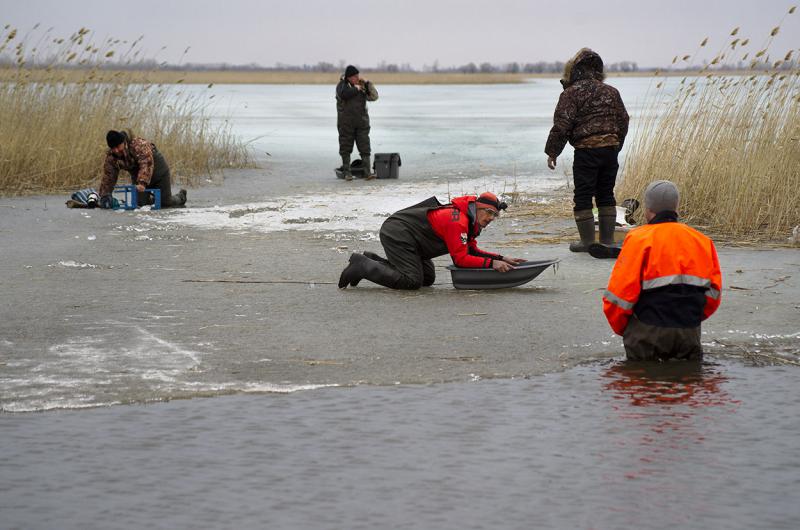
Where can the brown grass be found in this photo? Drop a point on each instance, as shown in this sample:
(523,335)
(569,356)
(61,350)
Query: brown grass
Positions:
(204,77)
(53,122)
(233,77)
(731,144)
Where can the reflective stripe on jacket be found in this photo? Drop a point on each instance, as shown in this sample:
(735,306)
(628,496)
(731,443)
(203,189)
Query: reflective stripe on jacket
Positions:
(668,274)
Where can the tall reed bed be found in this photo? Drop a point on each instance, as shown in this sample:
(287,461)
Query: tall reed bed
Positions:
(59,98)
(730,143)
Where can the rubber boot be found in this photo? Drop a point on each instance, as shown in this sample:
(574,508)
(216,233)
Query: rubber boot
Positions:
(353,273)
(348,175)
(179,200)
(428,270)
(606,248)
(375,257)
(584,219)
(382,274)
(369,174)
(607,219)
(361,267)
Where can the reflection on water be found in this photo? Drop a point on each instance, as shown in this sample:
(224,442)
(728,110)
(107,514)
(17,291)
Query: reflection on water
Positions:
(645,384)
(662,411)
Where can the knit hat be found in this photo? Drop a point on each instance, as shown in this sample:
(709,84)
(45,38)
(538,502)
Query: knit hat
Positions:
(350,71)
(114,138)
(661,195)
(489,200)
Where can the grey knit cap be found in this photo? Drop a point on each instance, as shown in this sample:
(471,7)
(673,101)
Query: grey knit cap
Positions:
(661,195)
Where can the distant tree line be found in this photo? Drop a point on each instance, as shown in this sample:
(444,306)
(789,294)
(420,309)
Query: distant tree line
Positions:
(540,67)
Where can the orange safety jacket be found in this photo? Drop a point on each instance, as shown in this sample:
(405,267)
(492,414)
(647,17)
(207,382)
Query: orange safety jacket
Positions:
(667,274)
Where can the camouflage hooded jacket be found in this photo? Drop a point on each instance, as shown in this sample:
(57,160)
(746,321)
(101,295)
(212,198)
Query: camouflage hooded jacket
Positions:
(136,160)
(589,113)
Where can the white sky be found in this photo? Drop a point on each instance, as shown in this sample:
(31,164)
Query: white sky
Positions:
(419,32)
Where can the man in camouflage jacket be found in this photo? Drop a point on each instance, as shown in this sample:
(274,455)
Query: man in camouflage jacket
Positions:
(352,94)
(590,115)
(146,165)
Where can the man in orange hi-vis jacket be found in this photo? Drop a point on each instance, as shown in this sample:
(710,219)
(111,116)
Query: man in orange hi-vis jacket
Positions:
(665,282)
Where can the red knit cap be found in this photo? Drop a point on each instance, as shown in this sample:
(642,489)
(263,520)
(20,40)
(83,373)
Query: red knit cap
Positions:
(488,200)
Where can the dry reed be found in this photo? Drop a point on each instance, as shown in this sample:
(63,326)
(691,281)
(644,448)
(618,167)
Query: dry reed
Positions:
(291,77)
(280,77)
(731,144)
(53,120)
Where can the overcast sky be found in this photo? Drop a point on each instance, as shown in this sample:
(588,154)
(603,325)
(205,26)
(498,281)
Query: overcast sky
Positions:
(419,32)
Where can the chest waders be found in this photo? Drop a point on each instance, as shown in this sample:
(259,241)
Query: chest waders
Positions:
(409,243)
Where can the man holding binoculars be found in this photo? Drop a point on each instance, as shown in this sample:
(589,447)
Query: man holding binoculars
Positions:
(352,94)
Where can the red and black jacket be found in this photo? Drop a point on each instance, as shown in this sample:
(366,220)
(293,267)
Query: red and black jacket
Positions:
(438,229)
(456,225)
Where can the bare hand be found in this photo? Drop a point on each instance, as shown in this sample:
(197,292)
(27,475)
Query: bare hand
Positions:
(551,162)
(501,266)
(140,188)
(513,261)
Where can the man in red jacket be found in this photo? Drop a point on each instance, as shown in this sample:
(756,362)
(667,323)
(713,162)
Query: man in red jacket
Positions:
(666,281)
(415,235)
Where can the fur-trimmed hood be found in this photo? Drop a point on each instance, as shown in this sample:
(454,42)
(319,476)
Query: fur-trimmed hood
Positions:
(586,64)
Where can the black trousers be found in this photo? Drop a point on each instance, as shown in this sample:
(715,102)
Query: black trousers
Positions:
(594,172)
(160,180)
(403,255)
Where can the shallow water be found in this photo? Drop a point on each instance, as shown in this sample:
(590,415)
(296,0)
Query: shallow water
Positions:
(603,445)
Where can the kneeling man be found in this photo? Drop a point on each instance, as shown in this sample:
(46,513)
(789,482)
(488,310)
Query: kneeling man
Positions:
(147,168)
(415,235)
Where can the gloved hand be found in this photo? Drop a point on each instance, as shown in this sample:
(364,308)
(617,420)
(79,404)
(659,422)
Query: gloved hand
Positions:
(105,201)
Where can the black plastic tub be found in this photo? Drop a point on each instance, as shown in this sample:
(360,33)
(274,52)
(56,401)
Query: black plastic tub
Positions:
(464,278)
(387,165)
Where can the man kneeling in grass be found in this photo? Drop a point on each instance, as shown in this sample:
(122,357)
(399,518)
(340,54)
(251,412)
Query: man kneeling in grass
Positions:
(665,282)
(147,168)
